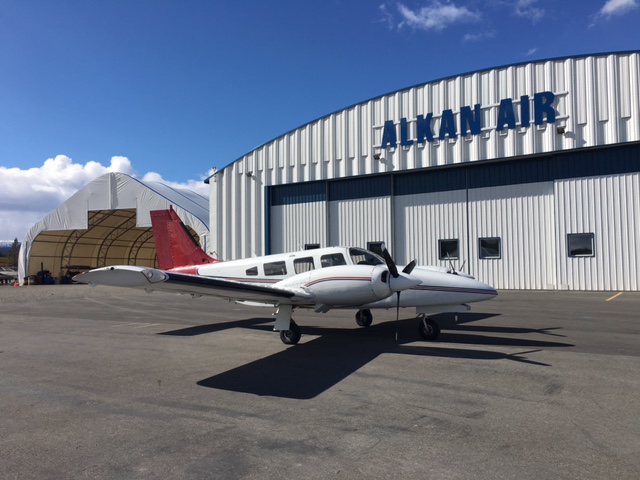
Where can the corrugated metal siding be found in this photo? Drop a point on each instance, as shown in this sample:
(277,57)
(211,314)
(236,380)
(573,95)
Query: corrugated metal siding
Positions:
(299,193)
(294,225)
(356,222)
(363,187)
(523,217)
(421,220)
(596,101)
(608,208)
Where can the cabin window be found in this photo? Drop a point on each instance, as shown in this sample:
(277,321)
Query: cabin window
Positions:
(275,268)
(251,272)
(311,246)
(302,265)
(448,249)
(489,247)
(332,259)
(360,256)
(581,244)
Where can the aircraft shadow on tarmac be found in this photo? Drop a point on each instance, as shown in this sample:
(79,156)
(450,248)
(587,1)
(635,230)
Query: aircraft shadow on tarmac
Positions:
(306,370)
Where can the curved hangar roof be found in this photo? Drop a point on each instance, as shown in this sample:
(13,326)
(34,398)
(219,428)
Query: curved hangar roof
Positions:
(107,222)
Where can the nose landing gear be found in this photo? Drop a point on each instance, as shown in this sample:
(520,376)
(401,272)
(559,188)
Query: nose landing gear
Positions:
(428,328)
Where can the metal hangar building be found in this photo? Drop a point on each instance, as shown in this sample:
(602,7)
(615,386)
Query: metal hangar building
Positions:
(527,174)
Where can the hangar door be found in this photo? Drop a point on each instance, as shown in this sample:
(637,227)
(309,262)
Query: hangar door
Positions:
(297,217)
(511,235)
(360,212)
(501,235)
(598,228)
(353,212)
(432,228)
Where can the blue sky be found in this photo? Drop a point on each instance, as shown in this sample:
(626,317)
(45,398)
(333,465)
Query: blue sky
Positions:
(169,89)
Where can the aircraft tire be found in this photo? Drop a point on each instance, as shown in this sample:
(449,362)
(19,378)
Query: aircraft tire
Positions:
(428,329)
(364,317)
(291,336)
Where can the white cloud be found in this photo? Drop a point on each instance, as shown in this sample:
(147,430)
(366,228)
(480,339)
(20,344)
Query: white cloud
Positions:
(617,7)
(436,16)
(28,195)
(478,37)
(613,8)
(526,9)
(387,16)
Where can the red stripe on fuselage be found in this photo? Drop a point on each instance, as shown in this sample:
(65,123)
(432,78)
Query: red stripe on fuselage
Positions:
(328,279)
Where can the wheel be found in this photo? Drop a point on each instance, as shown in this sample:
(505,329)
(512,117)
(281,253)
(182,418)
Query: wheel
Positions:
(364,318)
(291,336)
(428,329)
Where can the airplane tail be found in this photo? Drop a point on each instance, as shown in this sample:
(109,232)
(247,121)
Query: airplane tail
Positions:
(175,246)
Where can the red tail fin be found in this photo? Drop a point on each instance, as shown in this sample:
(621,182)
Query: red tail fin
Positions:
(175,246)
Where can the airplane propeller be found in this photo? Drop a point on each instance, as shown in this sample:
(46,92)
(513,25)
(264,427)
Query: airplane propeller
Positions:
(399,281)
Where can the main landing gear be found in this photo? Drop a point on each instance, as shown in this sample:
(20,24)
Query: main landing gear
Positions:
(291,336)
(427,327)
(364,318)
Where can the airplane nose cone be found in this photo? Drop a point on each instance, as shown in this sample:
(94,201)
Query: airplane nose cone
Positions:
(483,290)
(403,281)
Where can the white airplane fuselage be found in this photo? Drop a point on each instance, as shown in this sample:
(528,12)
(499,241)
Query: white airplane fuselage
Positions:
(439,287)
(8,273)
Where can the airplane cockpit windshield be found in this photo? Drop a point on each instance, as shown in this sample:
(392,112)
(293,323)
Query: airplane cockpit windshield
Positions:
(360,256)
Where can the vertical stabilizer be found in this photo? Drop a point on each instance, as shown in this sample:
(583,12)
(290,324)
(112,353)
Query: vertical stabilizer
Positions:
(175,246)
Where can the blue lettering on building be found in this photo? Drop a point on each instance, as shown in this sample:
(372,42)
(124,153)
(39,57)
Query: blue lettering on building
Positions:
(525,114)
(543,106)
(470,121)
(423,128)
(389,134)
(506,115)
(447,125)
(404,135)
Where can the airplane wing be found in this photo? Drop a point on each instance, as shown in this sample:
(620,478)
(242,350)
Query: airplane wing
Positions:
(152,279)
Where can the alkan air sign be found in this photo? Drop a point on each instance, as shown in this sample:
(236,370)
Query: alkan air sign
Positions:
(470,121)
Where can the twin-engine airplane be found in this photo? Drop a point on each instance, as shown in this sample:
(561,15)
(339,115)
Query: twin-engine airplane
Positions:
(7,273)
(320,279)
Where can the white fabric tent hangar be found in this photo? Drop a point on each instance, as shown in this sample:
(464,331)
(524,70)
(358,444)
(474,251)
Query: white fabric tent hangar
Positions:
(107,222)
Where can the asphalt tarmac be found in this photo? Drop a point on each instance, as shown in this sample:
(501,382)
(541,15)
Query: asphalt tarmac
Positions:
(107,383)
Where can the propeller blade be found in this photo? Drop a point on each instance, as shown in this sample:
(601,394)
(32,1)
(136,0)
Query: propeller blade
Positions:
(409,268)
(390,263)
(397,313)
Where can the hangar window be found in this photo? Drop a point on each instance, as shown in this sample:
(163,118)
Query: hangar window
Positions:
(332,259)
(581,244)
(311,246)
(251,272)
(375,247)
(302,265)
(275,268)
(448,249)
(489,247)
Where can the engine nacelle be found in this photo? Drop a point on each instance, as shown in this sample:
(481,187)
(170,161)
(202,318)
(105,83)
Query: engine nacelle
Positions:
(343,286)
